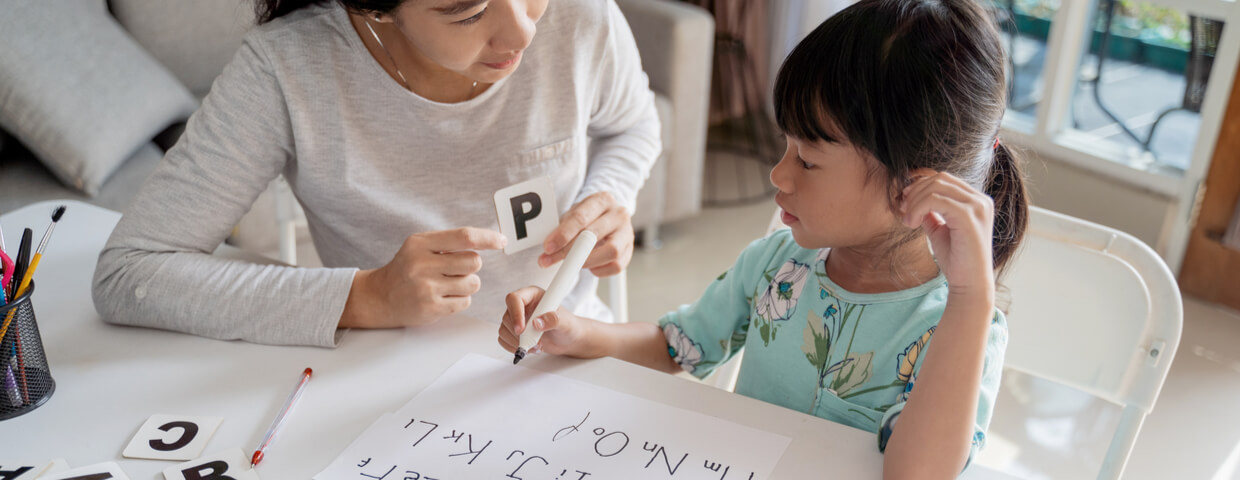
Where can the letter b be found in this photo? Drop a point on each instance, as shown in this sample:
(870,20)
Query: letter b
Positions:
(218,468)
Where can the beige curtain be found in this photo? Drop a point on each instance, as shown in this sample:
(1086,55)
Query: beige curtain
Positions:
(738,81)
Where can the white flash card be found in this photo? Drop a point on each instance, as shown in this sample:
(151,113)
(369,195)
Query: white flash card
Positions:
(172,437)
(108,470)
(31,470)
(527,213)
(230,463)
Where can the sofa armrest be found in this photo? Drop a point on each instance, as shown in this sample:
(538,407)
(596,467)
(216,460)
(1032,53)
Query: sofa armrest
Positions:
(676,42)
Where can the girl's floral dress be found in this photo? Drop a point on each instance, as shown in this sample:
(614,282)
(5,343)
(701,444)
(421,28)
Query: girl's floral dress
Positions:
(816,348)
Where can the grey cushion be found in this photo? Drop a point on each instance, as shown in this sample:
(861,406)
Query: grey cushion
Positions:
(24,180)
(194,39)
(78,91)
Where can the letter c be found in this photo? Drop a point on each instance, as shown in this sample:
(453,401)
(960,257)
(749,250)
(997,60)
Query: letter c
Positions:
(190,431)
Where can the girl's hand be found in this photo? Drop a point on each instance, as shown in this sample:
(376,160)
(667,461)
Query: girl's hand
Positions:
(958,220)
(430,277)
(561,330)
(598,213)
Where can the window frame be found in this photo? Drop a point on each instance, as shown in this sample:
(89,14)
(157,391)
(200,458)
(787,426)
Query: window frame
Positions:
(1049,137)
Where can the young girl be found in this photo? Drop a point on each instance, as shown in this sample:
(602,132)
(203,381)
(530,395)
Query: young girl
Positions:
(876,309)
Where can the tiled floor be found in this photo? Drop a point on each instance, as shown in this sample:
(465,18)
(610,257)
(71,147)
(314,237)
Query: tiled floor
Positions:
(1193,433)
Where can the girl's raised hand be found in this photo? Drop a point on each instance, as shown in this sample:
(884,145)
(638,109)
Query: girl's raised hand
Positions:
(598,213)
(561,329)
(958,219)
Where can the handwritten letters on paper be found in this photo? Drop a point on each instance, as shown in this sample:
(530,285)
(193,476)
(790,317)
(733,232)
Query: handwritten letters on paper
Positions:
(485,419)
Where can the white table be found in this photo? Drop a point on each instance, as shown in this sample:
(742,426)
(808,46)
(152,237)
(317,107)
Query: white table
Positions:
(109,379)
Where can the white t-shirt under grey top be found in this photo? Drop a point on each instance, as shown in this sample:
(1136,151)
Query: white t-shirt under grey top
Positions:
(371,163)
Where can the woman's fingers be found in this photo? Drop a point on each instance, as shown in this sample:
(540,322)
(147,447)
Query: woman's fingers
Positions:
(607,270)
(611,256)
(458,263)
(577,219)
(462,286)
(464,238)
(598,213)
(452,305)
(615,250)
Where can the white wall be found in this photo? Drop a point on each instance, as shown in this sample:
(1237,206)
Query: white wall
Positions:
(1068,189)
(790,21)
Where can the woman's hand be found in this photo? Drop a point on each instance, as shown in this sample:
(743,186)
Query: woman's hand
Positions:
(958,220)
(598,213)
(430,277)
(562,331)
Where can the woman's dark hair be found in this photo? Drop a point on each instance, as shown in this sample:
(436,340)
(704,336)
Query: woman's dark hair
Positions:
(268,10)
(917,84)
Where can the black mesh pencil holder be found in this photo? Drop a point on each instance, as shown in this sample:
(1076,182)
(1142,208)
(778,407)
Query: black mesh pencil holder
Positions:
(25,379)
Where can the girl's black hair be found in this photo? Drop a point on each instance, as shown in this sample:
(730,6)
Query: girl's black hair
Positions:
(268,10)
(917,84)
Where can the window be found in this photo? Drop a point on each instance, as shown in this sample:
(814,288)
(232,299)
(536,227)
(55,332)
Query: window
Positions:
(1091,79)
(1142,82)
(1026,27)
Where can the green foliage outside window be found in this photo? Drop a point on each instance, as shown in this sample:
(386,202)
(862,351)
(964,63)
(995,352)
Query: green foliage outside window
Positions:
(1133,18)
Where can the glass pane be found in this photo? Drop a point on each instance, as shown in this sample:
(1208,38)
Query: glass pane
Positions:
(1142,81)
(1025,24)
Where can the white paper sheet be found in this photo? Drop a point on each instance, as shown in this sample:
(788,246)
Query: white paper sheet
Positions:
(485,419)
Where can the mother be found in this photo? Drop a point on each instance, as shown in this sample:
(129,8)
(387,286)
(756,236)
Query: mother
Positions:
(394,122)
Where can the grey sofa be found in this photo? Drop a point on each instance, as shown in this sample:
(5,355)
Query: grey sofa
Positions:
(194,40)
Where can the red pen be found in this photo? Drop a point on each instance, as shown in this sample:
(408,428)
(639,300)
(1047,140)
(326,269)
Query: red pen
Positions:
(279,420)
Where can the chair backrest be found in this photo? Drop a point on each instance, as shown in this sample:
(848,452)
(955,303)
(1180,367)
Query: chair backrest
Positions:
(1093,308)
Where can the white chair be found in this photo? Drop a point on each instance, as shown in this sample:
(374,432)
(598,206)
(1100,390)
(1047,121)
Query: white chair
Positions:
(1095,309)
(1092,308)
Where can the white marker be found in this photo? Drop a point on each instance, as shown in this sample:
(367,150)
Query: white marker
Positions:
(563,282)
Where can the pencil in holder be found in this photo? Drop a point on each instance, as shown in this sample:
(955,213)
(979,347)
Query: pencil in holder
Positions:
(25,379)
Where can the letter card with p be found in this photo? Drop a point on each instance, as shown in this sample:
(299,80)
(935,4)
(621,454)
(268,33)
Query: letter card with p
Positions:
(527,213)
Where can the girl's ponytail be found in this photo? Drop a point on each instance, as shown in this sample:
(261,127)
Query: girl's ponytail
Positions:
(1006,186)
